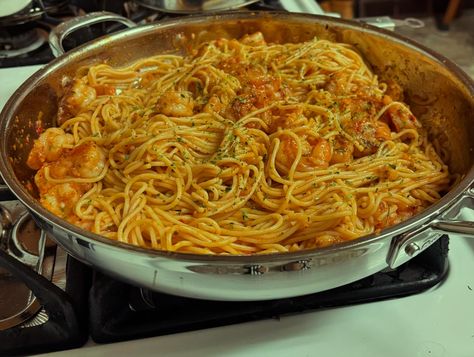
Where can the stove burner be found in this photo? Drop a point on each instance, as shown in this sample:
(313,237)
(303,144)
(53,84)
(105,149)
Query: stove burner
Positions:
(14,39)
(24,243)
(24,36)
(14,42)
(119,311)
(56,318)
(33,11)
(37,312)
(24,240)
(17,303)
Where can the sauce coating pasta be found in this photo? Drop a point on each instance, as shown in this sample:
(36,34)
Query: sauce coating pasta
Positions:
(240,147)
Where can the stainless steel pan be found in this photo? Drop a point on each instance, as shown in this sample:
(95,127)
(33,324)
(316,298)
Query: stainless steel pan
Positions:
(439,93)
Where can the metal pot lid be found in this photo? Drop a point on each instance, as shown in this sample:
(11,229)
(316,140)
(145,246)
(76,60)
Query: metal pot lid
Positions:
(8,7)
(193,6)
(26,11)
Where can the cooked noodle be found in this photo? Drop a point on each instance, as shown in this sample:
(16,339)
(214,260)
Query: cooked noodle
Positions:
(240,147)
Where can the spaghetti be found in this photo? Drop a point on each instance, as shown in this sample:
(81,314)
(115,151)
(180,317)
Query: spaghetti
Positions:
(240,147)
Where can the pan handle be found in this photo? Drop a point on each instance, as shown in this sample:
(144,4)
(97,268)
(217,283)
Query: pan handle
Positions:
(59,33)
(452,222)
(390,23)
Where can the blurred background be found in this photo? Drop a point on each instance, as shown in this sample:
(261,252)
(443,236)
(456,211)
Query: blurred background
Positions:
(449,24)
(25,24)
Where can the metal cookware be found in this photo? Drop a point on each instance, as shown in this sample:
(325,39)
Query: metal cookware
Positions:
(193,6)
(439,93)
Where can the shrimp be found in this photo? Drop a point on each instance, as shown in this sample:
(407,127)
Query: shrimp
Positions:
(255,39)
(215,104)
(176,103)
(77,96)
(104,89)
(61,199)
(84,161)
(286,119)
(49,147)
(368,133)
(394,90)
(361,124)
(382,131)
(259,90)
(399,117)
(316,153)
(388,215)
(343,150)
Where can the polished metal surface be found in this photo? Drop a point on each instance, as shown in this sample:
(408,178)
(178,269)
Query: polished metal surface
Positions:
(5,224)
(32,11)
(24,241)
(17,303)
(60,32)
(193,6)
(462,228)
(389,23)
(410,244)
(438,92)
(39,319)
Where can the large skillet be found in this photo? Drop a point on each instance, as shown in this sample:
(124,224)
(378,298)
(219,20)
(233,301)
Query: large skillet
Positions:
(439,93)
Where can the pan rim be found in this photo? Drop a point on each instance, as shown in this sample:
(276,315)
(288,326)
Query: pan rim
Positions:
(22,194)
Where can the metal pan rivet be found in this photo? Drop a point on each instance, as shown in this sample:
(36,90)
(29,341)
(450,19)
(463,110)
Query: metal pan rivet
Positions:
(412,249)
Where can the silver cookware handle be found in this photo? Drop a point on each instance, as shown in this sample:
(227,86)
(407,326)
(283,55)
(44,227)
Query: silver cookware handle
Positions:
(60,32)
(451,222)
(389,23)
(462,228)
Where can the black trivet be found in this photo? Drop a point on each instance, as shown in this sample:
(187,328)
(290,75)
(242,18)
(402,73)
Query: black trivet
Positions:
(41,55)
(67,311)
(119,311)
